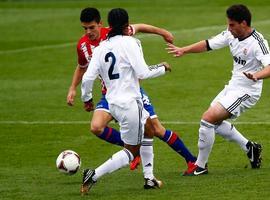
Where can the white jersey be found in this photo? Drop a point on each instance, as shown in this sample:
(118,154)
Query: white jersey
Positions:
(249,55)
(119,61)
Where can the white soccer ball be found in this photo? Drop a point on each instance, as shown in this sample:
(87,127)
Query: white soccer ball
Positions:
(68,162)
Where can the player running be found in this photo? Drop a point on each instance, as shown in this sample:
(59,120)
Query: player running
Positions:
(119,61)
(250,53)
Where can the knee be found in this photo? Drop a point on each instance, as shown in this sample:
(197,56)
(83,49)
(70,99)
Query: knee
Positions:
(159,130)
(208,117)
(97,129)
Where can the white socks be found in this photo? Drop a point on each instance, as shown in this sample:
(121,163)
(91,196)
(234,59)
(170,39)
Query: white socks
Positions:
(124,157)
(229,132)
(118,160)
(147,157)
(205,142)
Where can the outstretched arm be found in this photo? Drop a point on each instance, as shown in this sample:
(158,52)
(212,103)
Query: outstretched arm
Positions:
(193,48)
(145,28)
(77,77)
(265,73)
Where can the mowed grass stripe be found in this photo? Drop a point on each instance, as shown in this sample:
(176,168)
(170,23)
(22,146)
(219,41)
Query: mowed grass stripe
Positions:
(182,31)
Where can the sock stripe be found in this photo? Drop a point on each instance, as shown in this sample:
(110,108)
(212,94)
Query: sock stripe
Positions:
(147,144)
(207,124)
(172,139)
(109,133)
(128,154)
(169,136)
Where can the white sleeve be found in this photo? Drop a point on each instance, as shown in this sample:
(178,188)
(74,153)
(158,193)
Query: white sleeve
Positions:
(89,77)
(262,52)
(136,59)
(219,41)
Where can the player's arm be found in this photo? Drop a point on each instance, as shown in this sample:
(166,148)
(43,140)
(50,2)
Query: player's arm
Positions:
(265,73)
(145,28)
(142,70)
(76,79)
(88,79)
(193,48)
(261,53)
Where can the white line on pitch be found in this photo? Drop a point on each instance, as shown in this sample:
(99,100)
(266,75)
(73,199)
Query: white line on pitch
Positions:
(87,122)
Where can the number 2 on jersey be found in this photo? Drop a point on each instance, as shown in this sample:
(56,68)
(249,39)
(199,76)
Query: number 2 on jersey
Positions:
(110,72)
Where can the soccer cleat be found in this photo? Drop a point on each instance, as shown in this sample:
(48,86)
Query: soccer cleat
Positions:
(87,181)
(152,183)
(190,166)
(254,154)
(196,171)
(135,163)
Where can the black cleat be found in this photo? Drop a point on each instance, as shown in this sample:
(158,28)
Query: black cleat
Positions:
(88,181)
(152,183)
(196,171)
(254,154)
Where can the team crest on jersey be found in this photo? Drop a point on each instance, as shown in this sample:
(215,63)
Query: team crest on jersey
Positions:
(245,51)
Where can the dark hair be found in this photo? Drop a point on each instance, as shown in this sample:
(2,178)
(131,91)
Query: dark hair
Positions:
(118,21)
(89,15)
(239,13)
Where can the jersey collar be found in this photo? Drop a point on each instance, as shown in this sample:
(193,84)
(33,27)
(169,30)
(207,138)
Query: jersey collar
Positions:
(247,36)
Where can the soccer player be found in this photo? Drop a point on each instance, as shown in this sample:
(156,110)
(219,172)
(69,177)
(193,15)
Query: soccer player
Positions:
(94,34)
(119,61)
(250,52)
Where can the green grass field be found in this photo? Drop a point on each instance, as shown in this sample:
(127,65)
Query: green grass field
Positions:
(37,60)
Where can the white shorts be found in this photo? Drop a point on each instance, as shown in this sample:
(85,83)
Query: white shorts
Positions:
(131,120)
(235,101)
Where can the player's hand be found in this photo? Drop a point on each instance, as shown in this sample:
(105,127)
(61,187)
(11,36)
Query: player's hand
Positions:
(167,66)
(176,51)
(250,76)
(89,105)
(70,97)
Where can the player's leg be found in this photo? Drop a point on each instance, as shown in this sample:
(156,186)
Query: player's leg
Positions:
(148,107)
(240,103)
(213,115)
(230,133)
(173,140)
(168,136)
(252,149)
(131,128)
(147,157)
(99,124)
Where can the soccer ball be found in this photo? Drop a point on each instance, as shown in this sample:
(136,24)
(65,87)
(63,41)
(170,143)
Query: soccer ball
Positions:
(68,162)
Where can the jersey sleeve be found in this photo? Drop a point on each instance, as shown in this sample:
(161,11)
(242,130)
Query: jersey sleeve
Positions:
(219,41)
(88,79)
(82,60)
(262,52)
(135,56)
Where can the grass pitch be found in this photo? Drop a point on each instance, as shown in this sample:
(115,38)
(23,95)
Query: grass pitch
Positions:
(37,60)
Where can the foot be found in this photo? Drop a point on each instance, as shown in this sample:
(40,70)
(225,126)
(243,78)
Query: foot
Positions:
(254,154)
(135,163)
(190,167)
(196,171)
(87,181)
(152,183)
